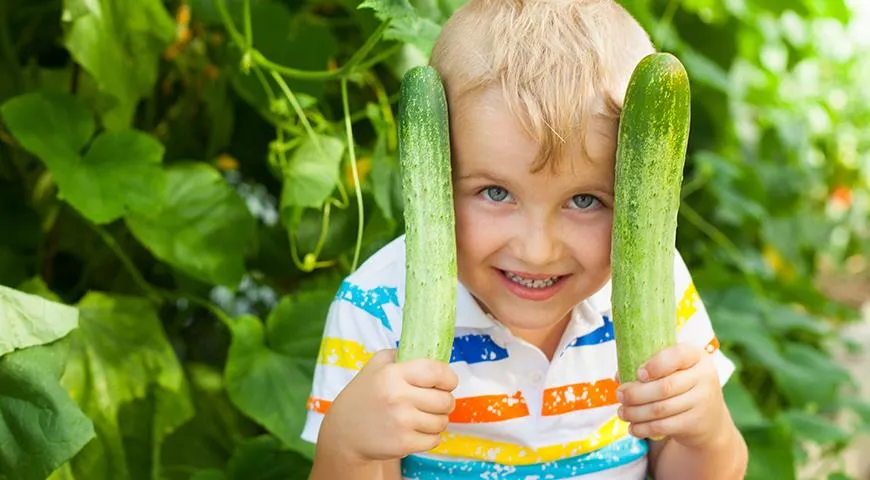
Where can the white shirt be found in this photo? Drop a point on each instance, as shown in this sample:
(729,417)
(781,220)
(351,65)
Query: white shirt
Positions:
(518,415)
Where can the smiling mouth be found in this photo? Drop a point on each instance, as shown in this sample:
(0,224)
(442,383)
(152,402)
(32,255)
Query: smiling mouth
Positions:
(535,283)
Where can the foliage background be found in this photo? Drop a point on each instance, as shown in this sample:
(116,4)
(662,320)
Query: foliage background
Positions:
(185,174)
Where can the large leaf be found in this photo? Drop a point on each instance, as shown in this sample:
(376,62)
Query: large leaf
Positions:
(743,408)
(815,428)
(119,43)
(312,173)
(124,374)
(120,172)
(269,369)
(27,320)
(211,437)
(771,453)
(49,124)
(40,426)
(265,458)
(202,226)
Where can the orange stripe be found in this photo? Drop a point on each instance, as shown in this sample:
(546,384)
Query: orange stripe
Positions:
(579,396)
(712,346)
(489,408)
(318,405)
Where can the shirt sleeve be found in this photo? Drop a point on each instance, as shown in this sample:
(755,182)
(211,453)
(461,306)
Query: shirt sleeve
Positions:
(357,326)
(693,323)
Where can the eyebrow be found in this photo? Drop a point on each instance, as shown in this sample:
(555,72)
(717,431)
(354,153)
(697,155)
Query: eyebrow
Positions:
(482,176)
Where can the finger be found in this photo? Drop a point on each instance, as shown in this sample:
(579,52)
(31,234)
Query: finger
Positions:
(434,401)
(663,427)
(637,393)
(681,356)
(430,423)
(430,374)
(421,442)
(656,410)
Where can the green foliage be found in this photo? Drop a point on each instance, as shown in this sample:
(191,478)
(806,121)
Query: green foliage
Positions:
(180,199)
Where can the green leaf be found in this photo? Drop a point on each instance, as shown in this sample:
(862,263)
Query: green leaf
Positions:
(295,327)
(210,438)
(119,43)
(49,124)
(125,376)
(743,408)
(265,458)
(41,427)
(389,9)
(420,32)
(772,456)
(807,376)
(27,320)
(202,227)
(312,173)
(270,367)
(814,428)
(120,172)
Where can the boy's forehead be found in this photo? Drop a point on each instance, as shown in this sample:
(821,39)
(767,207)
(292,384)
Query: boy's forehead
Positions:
(482,120)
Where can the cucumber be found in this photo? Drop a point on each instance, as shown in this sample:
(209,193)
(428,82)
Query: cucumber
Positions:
(429,310)
(650,155)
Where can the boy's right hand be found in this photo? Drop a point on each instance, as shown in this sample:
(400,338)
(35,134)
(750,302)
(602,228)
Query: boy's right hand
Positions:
(390,410)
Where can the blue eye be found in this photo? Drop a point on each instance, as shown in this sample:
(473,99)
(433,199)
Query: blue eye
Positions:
(496,194)
(583,201)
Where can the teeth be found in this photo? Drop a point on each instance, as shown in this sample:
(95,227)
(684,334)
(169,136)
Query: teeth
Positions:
(547,282)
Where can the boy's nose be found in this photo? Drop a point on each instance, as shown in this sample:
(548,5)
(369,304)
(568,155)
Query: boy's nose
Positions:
(537,246)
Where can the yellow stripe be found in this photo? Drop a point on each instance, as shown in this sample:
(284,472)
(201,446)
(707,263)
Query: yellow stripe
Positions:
(465,446)
(343,353)
(686,308)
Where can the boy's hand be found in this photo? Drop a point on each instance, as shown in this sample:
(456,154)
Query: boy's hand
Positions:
(390,410)
(677,395)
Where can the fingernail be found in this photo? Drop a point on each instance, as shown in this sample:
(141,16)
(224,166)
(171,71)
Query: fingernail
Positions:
(642,374)
(620,396)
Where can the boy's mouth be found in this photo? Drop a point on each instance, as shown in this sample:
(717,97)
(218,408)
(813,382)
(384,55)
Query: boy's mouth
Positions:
(532,281)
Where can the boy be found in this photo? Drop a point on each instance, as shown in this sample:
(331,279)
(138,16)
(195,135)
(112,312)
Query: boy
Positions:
(534,90)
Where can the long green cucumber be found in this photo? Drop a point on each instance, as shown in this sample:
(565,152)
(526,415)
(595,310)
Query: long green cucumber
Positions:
(651,152)
(429,309)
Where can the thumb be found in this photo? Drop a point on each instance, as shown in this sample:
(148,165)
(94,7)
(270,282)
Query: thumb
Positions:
(382,357)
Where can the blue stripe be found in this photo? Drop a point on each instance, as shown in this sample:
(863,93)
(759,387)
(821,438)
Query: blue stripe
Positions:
(622,452)
(371,301)
(602,334)
(475,348)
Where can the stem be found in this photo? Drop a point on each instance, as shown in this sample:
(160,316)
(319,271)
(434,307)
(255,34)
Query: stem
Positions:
(156,295)
(352,152)
(342,72)
(249,36)
(296,107)
(152,292)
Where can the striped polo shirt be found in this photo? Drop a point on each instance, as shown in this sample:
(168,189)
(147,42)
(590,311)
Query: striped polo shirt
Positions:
(518,415)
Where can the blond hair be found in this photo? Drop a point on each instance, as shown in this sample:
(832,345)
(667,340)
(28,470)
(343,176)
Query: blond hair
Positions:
(559,63)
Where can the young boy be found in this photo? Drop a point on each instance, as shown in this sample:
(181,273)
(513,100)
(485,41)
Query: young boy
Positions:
(534,90)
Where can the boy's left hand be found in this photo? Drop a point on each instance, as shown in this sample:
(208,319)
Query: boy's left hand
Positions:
(677,395)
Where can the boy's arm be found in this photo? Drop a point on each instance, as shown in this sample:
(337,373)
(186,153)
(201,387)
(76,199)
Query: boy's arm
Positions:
(725,458)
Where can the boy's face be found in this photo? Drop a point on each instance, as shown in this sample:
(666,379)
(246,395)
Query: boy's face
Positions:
(530,246)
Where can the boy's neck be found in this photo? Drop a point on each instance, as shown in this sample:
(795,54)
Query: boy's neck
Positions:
(547,340)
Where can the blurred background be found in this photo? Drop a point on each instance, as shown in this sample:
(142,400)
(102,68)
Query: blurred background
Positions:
(200,309)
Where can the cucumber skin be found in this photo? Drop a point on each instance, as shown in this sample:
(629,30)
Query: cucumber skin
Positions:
(429,311)
(650,156)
